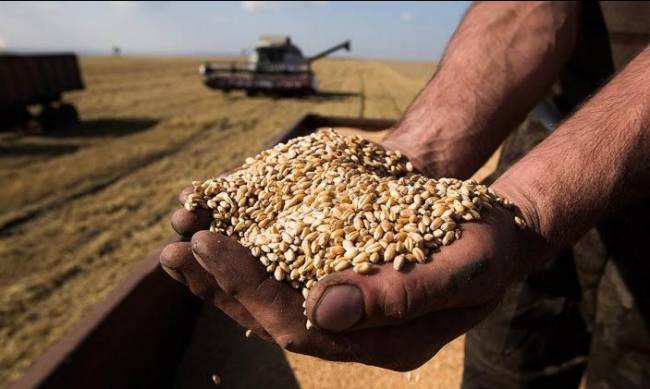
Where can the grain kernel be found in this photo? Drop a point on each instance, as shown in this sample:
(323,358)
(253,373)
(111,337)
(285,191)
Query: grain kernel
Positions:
(449,237)
(325,203)
(398,263)
(362,268)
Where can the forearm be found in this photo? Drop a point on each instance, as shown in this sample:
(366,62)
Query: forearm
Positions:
(596,162)
(501,60)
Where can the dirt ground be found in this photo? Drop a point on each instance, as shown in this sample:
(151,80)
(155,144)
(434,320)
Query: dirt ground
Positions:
(80,206)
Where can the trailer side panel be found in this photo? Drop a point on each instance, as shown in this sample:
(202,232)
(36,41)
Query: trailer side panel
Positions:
(37,78)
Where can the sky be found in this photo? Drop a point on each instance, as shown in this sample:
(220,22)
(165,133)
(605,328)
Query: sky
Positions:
(390,30)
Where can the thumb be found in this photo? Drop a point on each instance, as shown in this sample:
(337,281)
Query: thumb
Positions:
(347,300)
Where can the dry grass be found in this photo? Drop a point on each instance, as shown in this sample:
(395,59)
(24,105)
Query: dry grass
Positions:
(78,208)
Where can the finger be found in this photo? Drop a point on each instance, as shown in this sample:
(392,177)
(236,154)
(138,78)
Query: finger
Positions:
(177,260)
(389,143)
(186,223)
(407,346)
(275,305)
(455,277)
(241,276)
(183,195)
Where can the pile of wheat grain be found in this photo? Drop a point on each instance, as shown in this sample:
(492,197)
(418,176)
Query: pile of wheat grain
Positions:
(325,203)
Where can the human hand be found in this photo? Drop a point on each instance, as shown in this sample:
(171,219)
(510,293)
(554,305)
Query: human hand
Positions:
(424,144)
(396,320)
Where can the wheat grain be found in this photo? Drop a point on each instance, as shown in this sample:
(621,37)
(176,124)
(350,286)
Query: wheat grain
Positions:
(325,203)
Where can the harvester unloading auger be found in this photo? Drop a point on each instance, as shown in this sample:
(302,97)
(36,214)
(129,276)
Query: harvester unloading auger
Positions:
(276,66)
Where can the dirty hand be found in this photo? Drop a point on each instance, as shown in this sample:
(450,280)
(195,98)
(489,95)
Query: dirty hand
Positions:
(429,157)
(391,319)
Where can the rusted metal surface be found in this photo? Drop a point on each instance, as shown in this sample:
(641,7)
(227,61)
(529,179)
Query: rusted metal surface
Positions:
(311,122)
(34,78)
(132,339)
(139,334)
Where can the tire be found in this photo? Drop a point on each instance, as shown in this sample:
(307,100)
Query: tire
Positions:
(13,117)
(58,118)
(68,114)
(49,119)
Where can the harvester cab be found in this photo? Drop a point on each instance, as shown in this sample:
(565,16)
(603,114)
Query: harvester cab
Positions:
(276,66)
(277,54)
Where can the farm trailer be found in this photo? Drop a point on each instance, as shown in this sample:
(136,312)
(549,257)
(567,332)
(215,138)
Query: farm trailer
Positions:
(38,79)
(152,332)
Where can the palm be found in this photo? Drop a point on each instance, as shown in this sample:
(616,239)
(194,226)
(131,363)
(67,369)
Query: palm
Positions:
(417,310)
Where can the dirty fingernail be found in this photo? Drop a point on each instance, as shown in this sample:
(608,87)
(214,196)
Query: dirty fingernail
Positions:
(339,308)
(178,276)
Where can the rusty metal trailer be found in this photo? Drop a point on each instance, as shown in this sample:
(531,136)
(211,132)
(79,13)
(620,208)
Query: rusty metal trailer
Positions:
(38,79)
(151,332)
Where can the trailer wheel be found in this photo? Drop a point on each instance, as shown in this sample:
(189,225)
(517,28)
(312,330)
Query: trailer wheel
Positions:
(68,114)
(13,117)
(49,118)
(58,118)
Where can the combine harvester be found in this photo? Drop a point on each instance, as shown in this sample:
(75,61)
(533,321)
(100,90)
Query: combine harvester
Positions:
(276,66)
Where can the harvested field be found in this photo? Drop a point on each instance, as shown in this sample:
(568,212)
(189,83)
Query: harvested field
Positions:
(79,207)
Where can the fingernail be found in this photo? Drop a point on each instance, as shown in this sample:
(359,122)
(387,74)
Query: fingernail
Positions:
(201,244)
(339,308)
(178,276)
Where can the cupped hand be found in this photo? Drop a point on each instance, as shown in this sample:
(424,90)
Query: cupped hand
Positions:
(391,319)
